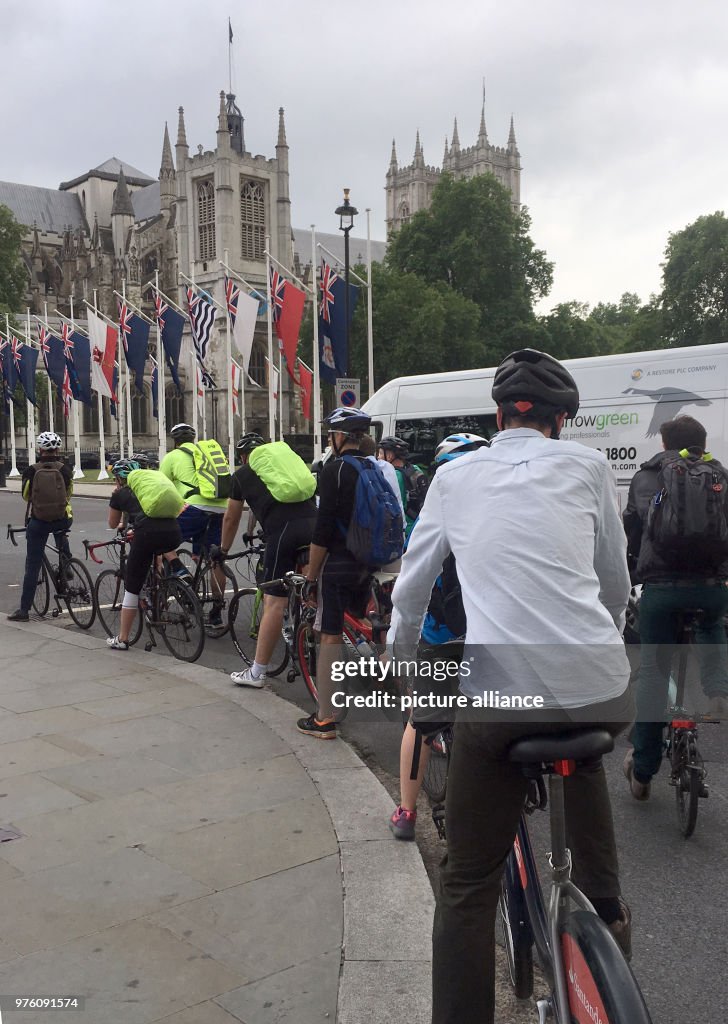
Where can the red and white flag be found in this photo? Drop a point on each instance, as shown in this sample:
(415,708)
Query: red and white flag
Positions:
(236,378)
(305,380)
(67,393)
(103,339)
(200,392)
(276,378)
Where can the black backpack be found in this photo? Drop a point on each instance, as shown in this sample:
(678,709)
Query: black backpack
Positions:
(687,521)
(416,484)
(446,601)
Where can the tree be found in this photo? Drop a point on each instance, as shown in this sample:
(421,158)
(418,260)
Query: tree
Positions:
(472,241)
(694,297)
(13,275)
(572,333)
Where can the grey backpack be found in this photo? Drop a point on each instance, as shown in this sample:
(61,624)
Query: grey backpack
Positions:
(48,497)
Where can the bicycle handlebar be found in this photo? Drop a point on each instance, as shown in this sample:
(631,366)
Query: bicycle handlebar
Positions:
(12,530)
(90,548)
(292,580)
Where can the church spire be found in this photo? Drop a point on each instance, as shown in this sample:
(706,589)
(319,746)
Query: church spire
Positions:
(393,165)
(167,162)
(482,134)
(446,154)
(181,137)
(419,156)
(512,137)
(166,172)
(455,144)
(281,129)
(122,199)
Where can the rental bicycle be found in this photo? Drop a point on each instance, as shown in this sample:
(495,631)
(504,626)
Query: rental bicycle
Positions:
(70,581)
(167,605)
(588,977)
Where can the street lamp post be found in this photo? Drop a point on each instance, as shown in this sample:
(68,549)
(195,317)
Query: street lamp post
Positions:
(346,213)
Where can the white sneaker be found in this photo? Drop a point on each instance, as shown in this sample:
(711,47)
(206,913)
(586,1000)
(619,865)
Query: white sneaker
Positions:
(247,678)
(116,644)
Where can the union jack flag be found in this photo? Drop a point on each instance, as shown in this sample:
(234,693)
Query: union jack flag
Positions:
(232,293)
(67,338)
(67,394)
(328,276)
(277,286)
(45,345)
(160,308)
(17,347)
(125,324)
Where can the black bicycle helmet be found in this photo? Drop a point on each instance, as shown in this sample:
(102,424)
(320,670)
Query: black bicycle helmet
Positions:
(348,420)
(182,432)
(249,441)
(531,376)
(394,444)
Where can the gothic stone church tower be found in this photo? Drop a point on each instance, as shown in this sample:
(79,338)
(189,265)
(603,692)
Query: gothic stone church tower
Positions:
(410,188)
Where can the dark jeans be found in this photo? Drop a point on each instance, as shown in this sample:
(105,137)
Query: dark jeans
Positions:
(660,608)
(485,795)
(36,537)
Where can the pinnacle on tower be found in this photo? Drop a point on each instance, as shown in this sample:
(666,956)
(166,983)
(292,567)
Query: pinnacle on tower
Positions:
(36,240)
(122,199)
(482,134)
(167,162)
(512,135)
(222,125)
(393,159)
(181,137)
(281,129)
(419,156)
(446,154)
(455,144)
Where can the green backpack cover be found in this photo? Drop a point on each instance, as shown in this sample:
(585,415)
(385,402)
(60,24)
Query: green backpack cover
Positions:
(211,468)
(284,473)
(157,494)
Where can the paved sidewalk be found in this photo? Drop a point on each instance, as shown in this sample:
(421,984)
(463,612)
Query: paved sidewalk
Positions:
(186,856)
(80,490)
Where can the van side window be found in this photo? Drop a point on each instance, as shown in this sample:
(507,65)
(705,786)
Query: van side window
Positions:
(424,435)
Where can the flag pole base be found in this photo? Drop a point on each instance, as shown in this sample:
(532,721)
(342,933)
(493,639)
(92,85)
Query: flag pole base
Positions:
(78,473)
(103,475)
(13,473)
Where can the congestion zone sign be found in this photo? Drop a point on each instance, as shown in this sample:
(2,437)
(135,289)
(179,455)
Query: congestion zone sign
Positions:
(347,390)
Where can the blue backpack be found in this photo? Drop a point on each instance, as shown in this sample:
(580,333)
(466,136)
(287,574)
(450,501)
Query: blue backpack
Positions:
(375,534)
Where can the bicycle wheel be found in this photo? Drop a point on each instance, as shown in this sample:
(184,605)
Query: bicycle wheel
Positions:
(206,589)
(599,982)
(517,936)
(687,788)
(78,592)
(243,621)
(434,781)
(281,653)
(185,557)
(42,593)
(178,617)
(109,593)
(306,654)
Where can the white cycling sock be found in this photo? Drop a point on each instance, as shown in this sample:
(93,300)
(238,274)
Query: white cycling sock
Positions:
(257,670)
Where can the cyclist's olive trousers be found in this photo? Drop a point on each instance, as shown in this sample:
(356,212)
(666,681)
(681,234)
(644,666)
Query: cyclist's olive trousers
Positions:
(485,794)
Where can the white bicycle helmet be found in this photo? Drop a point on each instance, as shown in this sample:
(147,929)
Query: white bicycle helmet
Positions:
(458,444)
(48,441)
(345,420)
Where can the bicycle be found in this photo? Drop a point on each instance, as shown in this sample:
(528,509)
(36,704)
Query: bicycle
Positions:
(205,585)
(167,605)
(109,588)
(588,977)
(71,582)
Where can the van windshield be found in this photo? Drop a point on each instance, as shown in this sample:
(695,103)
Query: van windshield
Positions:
(424,435)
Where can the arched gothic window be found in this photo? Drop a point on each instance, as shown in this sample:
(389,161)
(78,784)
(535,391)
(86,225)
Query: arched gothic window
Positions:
(252,220)
(174,407)
(140,411)
(257,364)
(404,212)
(206,219)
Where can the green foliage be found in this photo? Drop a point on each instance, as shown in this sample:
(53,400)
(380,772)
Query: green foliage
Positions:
(13,275)
(695,283)
(472,241)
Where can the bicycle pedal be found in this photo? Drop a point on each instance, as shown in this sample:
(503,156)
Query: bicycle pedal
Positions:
(438,817)
(703,792)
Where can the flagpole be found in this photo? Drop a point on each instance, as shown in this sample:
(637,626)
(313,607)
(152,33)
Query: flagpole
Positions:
(30,412)
(244,370)
(50,389)
(14,471)
(370,326)
(127,377)
(271,402)
(229,357)
(161,404)
(77,471)
(193,358)
(316,398)
(336,260)
(103,475)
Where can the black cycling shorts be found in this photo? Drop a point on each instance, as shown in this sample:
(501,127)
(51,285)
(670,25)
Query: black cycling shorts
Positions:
(343,586)
(281,547)
(151,537)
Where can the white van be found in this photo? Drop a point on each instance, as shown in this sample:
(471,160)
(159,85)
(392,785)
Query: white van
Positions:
(623,401)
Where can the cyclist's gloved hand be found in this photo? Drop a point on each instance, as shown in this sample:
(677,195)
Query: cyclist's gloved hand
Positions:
(217,554)
(309,592)
(248,538)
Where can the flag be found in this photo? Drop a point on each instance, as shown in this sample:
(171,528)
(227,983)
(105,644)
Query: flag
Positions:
(172,325)
(155,392)
(243,312)
(51,349)
(288,323)
(77,351)
(103,339)
(230,31)
(236,380)
(332,324)
(66,393)
(277,284)
(202,319)
(276,378)
(9,372)
(200,392)
(305,379)
(113,396)
(135,338)
(26,360)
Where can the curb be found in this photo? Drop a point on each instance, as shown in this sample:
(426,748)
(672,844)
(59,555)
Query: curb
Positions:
(79,490)
(388,900)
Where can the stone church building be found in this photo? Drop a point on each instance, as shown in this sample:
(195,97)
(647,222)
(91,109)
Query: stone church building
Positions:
(410,188)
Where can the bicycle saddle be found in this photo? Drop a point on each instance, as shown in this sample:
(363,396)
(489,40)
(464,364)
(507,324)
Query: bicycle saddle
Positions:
(569,746)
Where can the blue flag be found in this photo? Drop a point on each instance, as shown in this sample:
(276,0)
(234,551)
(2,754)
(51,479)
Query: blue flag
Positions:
(77,351)
(10,378)
(334,358)
(28,359)
(53,357)
(135,338)
(155,392)
(171,324)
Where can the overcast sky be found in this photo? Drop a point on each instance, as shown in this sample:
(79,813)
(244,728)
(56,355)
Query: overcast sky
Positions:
(620,109)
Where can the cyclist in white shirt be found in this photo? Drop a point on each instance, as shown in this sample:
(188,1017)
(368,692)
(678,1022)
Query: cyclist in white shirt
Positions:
(534,526)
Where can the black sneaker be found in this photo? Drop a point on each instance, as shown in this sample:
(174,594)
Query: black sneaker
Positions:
(19,616)
(311,726)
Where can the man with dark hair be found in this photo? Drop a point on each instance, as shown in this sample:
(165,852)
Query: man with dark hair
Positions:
(669,589)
